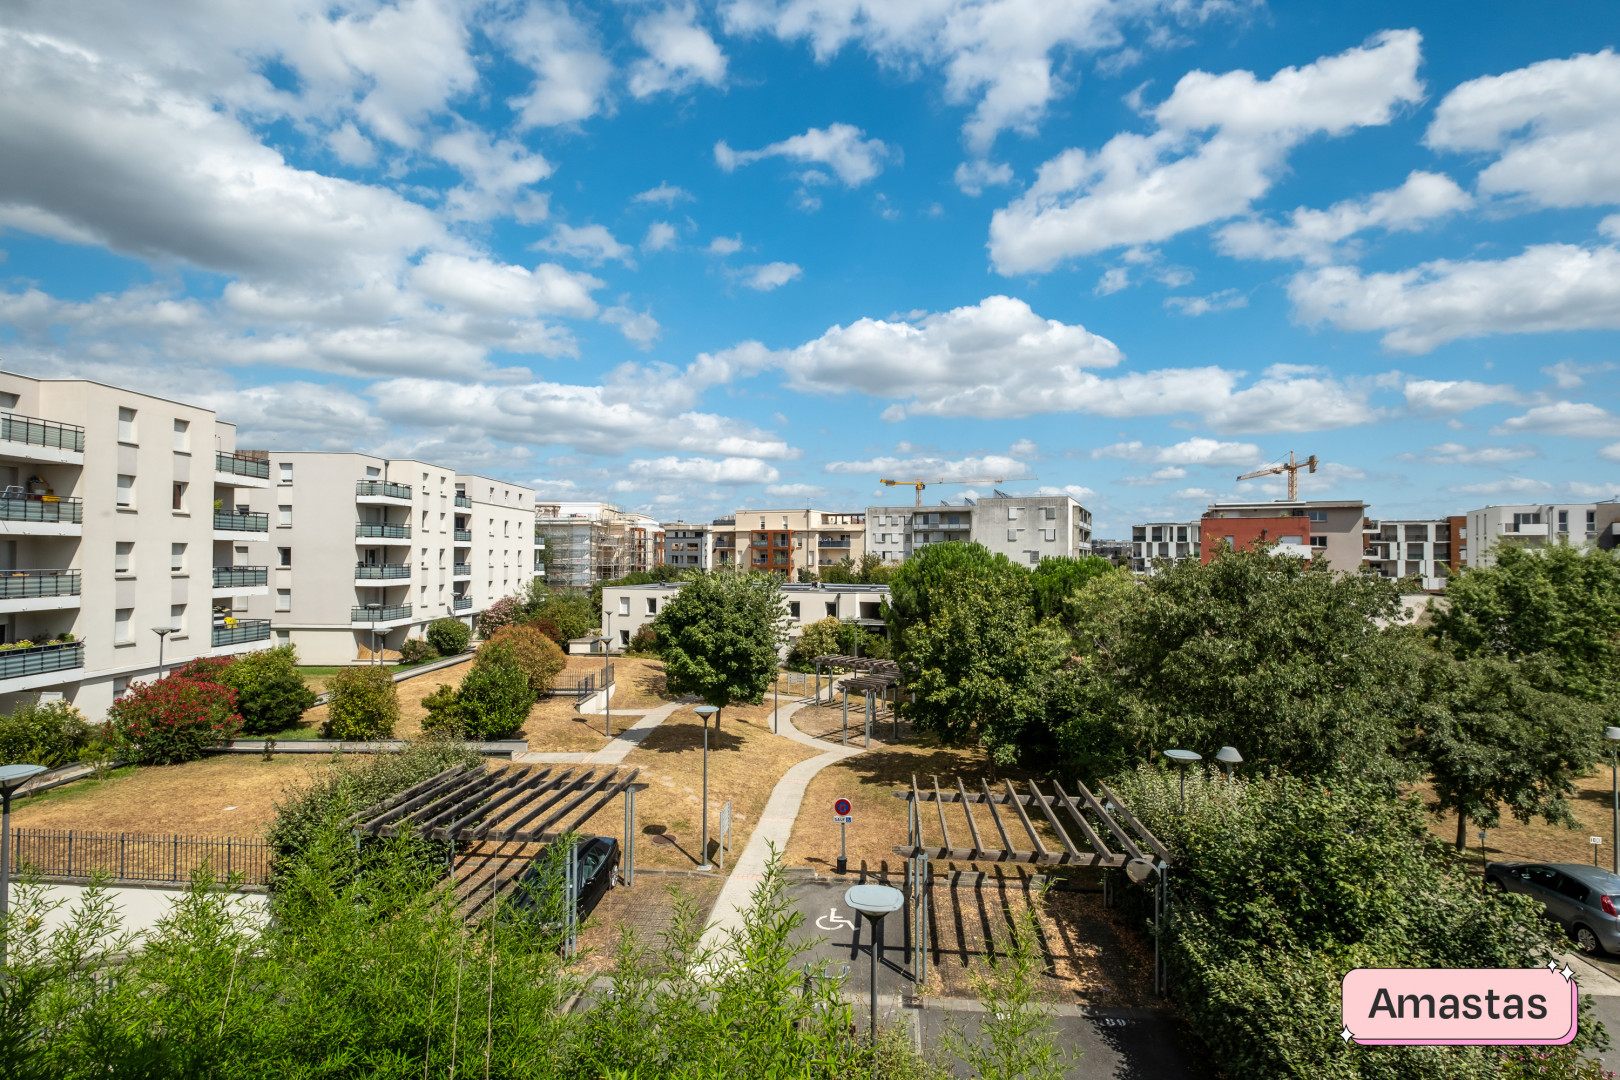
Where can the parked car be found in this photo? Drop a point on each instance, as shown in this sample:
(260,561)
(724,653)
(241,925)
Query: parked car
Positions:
(1584,900)
(596,870)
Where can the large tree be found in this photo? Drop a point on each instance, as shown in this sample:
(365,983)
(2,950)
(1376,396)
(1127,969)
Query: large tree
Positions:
(720,634)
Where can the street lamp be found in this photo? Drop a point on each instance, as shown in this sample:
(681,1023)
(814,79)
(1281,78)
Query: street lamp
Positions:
(607,701)
(874,901)
(1228,757)
(1612,734)
(163,633)
(706,711)
(12,777)
(1183,758)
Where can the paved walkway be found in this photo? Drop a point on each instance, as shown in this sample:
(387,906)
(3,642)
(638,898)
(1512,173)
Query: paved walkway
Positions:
(614,752)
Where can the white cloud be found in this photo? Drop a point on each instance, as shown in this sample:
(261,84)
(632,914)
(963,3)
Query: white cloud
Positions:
(724,245)
(1512,485)
(570,73)
(496,173)
(1610,452)
(1567,375)
(664,194)
(660,237)
(680,53)
(931,468)
(349,146)
(730,471)
(1074,491)
(1224,300)
(771,275)
(1578,419)
(1114,279)
(974,176)
(1156,477)
(795,491)
(1549,287)
(1457,454)
(1311,235)
(1194,451)
(1554,126)
(638,326)
(840,147)
(1447,397)
(499,288)
(1024,448)
(1142,189)
(592,244)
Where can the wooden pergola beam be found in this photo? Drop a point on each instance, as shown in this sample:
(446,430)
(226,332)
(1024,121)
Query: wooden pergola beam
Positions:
(973,827)
(1130,819)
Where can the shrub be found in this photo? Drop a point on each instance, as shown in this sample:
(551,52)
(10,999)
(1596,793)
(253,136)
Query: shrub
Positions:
(573,617)
(550,628)
(51,733)
(495,698)
(536,654)
(644,640)
(172,720)
(502,613)
(270,694)
(449,636)
(363,706)
(443,712)
(417,651)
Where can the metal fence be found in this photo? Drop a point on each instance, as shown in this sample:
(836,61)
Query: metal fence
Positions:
(241,522)
(42,508)
(39,659)
(581,687)
(30,429)
(242,464)
(137,856)
(239,631)
(24,584)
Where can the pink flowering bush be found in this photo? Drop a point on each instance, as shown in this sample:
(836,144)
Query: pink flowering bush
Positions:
(172,720)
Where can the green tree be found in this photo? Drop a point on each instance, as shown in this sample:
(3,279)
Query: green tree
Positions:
(820,638)
(449,636)
(571,616)
(495,697)
(364,704)
(270,693)
(719,636)
(47,733)
(1053,581)
(1490,739)
(540,659)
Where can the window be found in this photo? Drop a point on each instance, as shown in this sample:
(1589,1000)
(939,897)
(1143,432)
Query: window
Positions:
(182,435)
(652,606)
(119,687)
(1591,521)
(284,515)
(285,556)
(373,473)
(1158,533)
(121,626)
(177,557)
(126,491)
(793,609)
(1051,513)
(126,425)
(283,637)
(624,605)
(122,554)
(1563,521)
(1049,535)
(283,599)
(286,471)
(179,495)
(1012,513)
(832,607)
(1012,534)
(1321,542)
(177,618)
(1181,534)
(624,637)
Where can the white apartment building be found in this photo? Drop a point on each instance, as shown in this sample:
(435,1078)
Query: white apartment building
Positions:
(895,533)
(1173,540)
(121,513)
(627,608)
(1420,548)
(365,551)
(582,543)
(1528,524)
(687,545)
(788,540)
(1030,528)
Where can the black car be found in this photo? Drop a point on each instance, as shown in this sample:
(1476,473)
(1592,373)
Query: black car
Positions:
(596,870)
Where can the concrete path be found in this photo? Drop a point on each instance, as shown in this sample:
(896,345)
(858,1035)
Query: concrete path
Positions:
(139,908)
(614,752)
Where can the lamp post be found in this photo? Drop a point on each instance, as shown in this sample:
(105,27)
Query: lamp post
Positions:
(874,901)
(706,711)
(12,777)
(163,633)
(1228,757)
(607,701)
(1183,758)
(1612,734)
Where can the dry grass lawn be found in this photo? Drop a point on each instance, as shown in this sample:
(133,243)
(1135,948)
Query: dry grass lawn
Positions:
(1593,807)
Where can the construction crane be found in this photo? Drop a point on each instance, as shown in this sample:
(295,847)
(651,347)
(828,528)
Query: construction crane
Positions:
(920,484)
(1291,467)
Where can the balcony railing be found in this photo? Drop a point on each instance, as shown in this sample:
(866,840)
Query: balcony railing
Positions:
(461,569)
(241,577)
(463,536)
(380,614)
(240,464)
(832,543)
(381,571)
(240,522)
(36,432)
(462,603)
(238,631)
(383,487)
(39,659)
(23,584)
(464,501)
(391,532)
(43,508)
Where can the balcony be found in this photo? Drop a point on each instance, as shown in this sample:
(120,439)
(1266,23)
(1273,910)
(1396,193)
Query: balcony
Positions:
(463,536)
(379,617)
(31,439)
(40,515)
(382,493)
(39,665)
(1511,528)
(462,603)
(373,531)
(461,569)
(232,526)
(38,590)
(235,633)
(464,501)
(242,469)
(381,571)
(832,543)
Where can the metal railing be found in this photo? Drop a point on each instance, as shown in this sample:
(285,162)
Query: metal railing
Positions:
(832,543)
(383,487)
(463,536)
(137,856)
(39,659)
(381,571)
(240,464)
(461,569)
(240,522)
(581,687)
(42,508)
(461,603)
(22,584)
(241,630)
(394,532)
(380,614)
(464,501)
(241,577)
(37,432)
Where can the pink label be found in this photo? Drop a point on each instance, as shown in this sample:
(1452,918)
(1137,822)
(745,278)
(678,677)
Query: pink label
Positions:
(1459,1006)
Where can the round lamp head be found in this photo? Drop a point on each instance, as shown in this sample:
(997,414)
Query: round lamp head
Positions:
(874,901)
(1139,870)
(1228,755)
(13,777)
(1612,734)
(1183,757)
(705,711)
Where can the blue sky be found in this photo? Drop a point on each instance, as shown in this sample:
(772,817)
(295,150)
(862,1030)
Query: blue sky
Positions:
(689,257)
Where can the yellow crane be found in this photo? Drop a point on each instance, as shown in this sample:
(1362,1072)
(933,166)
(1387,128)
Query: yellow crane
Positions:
(1291,467)
(920,484)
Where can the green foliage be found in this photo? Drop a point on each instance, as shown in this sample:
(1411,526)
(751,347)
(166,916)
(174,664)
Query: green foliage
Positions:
(51,733)
(573,617)
(270,693)
(539,657)
(871,570)
(644,642)
(658,574)
(719,636)
(172,720)
(1015,1040)
(820,638)
(414,651)
(364,704)
(492,702)
(1054,580)
(1281,886)
(450,636)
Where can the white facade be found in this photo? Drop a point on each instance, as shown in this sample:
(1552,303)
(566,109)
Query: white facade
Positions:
(627,608)
(1533,525)
(1420,548)
(1030,528)
(895,533)
(1173,540)
(109,529)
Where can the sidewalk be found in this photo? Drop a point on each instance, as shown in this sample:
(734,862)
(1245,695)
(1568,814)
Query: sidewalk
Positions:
(614,752)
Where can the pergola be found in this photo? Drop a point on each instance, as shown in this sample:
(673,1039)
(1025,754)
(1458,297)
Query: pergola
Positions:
(869,686)
(837,661)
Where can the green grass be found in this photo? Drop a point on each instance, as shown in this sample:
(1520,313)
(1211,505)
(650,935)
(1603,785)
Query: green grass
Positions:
(296,733)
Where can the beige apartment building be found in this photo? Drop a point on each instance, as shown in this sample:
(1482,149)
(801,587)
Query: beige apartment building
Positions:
(627,608)
(365,552)
(121,514)
(788,540)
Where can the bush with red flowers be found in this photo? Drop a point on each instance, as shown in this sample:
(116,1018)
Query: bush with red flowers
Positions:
(172,720)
